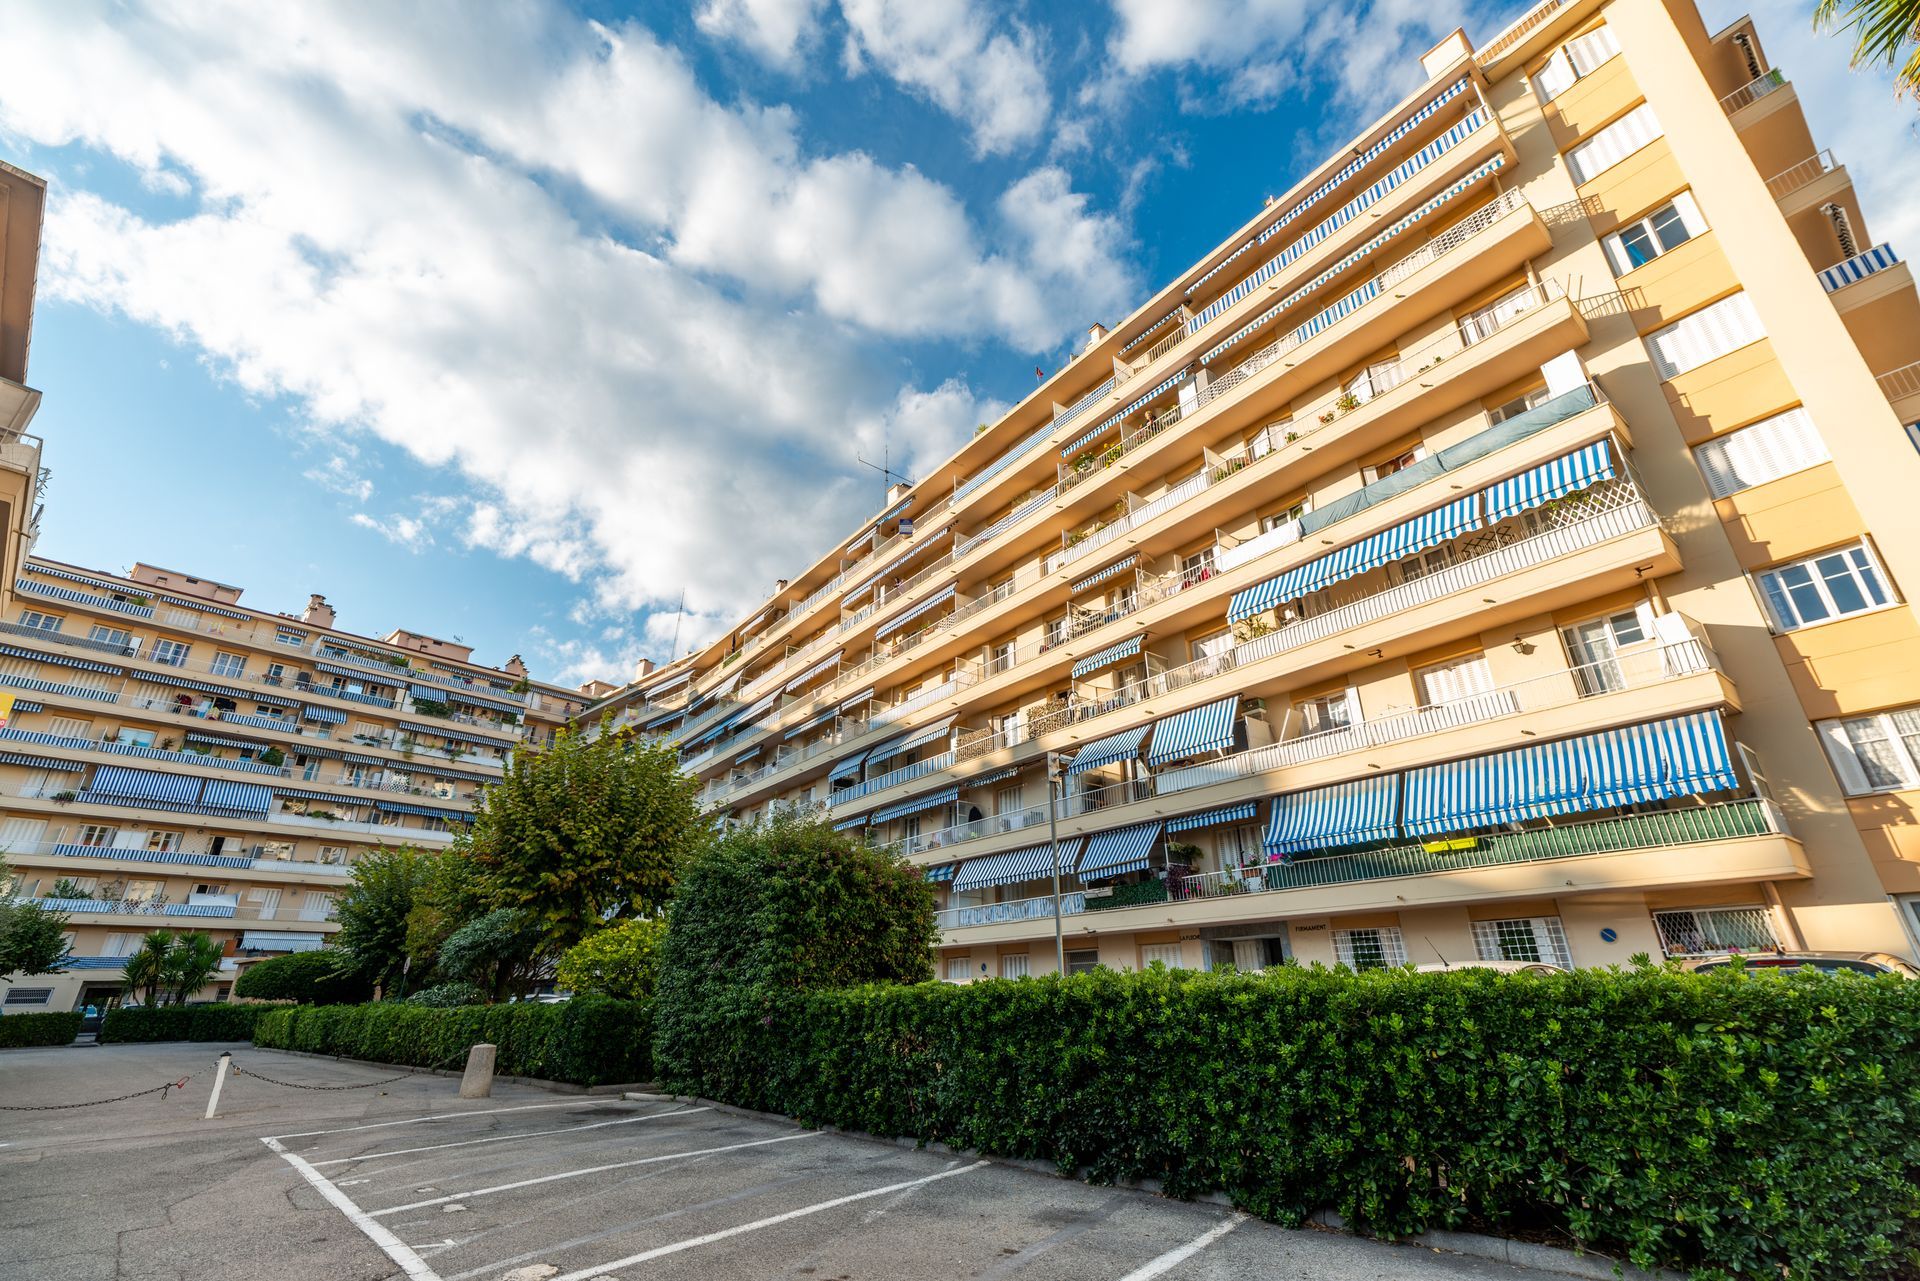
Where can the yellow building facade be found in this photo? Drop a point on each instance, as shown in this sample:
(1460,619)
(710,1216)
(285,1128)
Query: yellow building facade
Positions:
(1497,547)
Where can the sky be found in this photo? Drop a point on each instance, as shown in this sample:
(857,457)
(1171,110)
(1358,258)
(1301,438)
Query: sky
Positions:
(563,329)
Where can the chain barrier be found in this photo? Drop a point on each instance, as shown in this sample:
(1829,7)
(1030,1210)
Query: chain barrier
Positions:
(161,1090)
(237,1070)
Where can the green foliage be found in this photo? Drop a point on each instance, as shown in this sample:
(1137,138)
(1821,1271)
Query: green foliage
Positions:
(374,910)
(33,940)
(500,953)
(65,887)
(590,1040)
(325,976)
(447,996)
(1886,34)
(273,756)
(585,832)
(192,960)
(54,1028)
(1738,1125)
(218,1022)
(452,892)
(621,960)
(769,910)
(146,969)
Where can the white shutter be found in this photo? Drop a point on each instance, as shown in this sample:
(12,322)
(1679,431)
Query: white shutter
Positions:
(1833,734)
(1554,78)
(21,834)
(1690,217)
(1710,332)
(1613,144)
(1013,967)
(1763,451)
(1589,52)
(1168,954)
(1454,680)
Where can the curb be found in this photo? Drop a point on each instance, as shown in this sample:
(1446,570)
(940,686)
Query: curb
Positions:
(1526,1254)
(556,1087)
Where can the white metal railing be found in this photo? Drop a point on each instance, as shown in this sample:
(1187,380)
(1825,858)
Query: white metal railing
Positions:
(1072,902)
(1794,177)
(1754,90)
(1898,383)
(1518,30)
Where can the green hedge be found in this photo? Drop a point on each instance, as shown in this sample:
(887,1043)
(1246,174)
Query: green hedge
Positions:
(1738,1125)
(313,977)
(55,1028)
(590,1040)
(221,1022)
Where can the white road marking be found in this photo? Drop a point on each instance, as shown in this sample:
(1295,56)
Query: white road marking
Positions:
(592,1169)
(392,1246)
(444,1116)
(602,1269)
(503,1138)
(1180,1254)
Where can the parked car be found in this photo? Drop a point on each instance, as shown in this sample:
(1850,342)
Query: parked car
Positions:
(1868,963)
(1499,967)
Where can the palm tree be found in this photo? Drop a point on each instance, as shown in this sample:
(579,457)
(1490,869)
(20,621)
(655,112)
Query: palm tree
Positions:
(191,961)
(147,967)
(1886,34)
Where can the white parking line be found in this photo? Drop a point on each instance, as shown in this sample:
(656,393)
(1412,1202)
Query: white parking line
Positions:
(442,1116)
(601,1269)
(504,1138)
(1180,1254)
(592,1169)
(394,1248)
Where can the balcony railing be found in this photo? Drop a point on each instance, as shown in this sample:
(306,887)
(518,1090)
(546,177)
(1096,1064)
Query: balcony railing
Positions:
(1754,90)
(1900,383)
(1072,903)
(1794,177)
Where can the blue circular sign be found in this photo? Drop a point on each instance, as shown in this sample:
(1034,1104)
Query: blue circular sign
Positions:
(1609,935)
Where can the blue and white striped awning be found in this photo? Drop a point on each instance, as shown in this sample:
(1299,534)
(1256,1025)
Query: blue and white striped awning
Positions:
(847,768)
(996,776)
(749,754)
(810,723)
(1858,267)
(848,824)
(1548,481)
(53,763)
(61,660)
(907,742)
(1196,730)
(245,745)
(307,794)
(898,621)
(245,798)
(944,872)
(324,715)
(336,669)
(224,691)
(1105,751)
(22,705)
(498,703)
(864,696)
(145,785)
(1356,813)
(900,561)
(96,583)
(82,598)
(1081,442)
(56,687)
(1405,539)
(280,941)
(1109,656)
(285,725)
(424,811)
(1679,756)
(205,608)
(759,709)
(932,800)
(1115,853)
(1015,866)
(430,693)
(831,660)
(716,729)
(1244,812)
(1102,575)
(436,731)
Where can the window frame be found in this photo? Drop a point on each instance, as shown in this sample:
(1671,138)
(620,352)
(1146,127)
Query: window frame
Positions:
(1817,579)
(1686,211)
(1848,765)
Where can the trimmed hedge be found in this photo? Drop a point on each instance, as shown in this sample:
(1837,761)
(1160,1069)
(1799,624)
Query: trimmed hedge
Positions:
(57,1027)
(313,977)
(590,1040)
(1739,1125)
(222,1022)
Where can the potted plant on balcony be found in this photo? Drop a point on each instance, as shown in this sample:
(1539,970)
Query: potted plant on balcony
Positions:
(273,756)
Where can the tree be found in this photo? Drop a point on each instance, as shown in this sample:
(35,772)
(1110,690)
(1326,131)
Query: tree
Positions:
(33,940)
(453,891)
(190,963)
(66,888)
(585,832)
(146,970)
(500,953)
(373,914)
(1886,34)
(621,960)
(324,976)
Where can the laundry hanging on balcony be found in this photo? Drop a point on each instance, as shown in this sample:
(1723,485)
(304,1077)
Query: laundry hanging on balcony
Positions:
(1118,852)
(933,800)
(1345,814)
(1679,756)
(1109,656)
(1405,539)
(1105,751)
(1197,730)
(1102,575)
(1015,866)
(898,621)
(1244,812)
(905,743)
(1548,481)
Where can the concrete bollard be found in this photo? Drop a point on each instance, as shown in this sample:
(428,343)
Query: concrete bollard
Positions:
(477,1083)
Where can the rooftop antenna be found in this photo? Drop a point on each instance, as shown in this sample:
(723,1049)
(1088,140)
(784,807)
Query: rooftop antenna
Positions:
(679,612)
(885,468)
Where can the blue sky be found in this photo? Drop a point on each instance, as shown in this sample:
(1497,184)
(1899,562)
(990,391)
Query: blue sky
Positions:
(517,322)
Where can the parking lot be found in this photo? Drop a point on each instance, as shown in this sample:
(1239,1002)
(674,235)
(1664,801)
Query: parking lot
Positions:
(404,1179)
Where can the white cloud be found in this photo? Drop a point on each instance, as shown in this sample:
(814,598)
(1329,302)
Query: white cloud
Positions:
(338,475)
(403,531)
(948,51)
(775,31)
(387,227)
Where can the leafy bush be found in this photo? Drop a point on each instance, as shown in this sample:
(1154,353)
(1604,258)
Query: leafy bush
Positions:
(57,1027)
(1738,1125)
(621,960)
(222,1022)
(590,1040)
(448,996)
(313,978)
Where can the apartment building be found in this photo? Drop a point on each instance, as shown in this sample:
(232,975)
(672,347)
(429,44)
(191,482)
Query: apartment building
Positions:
(1497,547)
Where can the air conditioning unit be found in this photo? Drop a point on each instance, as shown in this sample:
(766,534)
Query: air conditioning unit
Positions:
(1254,708)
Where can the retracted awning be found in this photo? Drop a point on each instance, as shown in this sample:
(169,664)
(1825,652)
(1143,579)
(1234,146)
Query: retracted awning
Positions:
(1118,852)
(932,800)
(324,715)
(1196,730)
(284,724)
(1356,813)
(1015,866)
(225,691)
(1244,812)
(1105,751)
(899,621)
(424,811)
(61,660)
(1099,576)
(847,767)
(811,722)
(907,742)
(1108,656)
(847,824)
(1551,480)
(831,660)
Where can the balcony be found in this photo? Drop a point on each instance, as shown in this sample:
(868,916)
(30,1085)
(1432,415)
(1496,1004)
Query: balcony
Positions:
(1901,387)
(109,854)
(1761,86)
(1851,271)
(1800,186)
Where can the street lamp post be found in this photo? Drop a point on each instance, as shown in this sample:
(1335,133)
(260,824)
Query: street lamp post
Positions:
(1053,844)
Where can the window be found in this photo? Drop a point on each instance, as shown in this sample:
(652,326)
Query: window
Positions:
(1010,799)
(277,851)
(122,944)
(172,653)
(1056,630)
(40,622)
(317,906)
(135,737)
(1641,241)
(1715,929)
(1085,961)
(1286,515)
(1249,956)
(1398,463)
(999,658)
(1240,847)
(1167,954)
(1763,451)
(225,664)
(1370,949)
(1832,585)
(1519,405)
(80,886)
(1326,713)
(1877,753)
(1194,566)
(1212,646)
(1574,61)
(288,636)
(1536,938)
(163,842)
(70,727)
(1613,144)
(333,855)
(1711,332)
(1425,563)
(264,903)
(959,968)
(1593,649)
(1375,380)
(1484,322)
(1453,680)
(1013,967)
(96,835)
(29,995)
(143,891)
(209,888)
